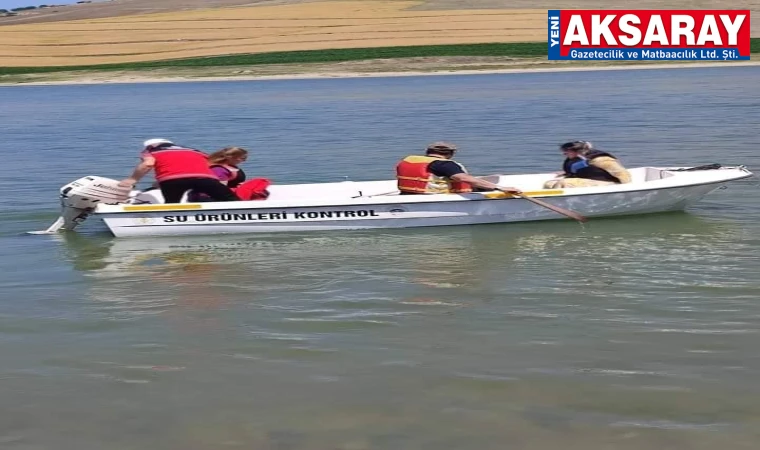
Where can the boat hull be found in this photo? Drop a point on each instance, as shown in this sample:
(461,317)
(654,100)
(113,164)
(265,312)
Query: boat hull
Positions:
(376,213)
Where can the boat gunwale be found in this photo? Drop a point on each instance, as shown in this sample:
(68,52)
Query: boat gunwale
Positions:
(421,199)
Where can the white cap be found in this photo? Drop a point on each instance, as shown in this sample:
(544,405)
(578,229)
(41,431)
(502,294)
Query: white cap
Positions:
(155,142)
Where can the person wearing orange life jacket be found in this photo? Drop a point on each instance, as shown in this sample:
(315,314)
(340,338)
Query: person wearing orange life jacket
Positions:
(438,173)
(178,170)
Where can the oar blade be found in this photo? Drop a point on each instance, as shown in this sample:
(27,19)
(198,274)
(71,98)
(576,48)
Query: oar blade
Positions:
(557,209)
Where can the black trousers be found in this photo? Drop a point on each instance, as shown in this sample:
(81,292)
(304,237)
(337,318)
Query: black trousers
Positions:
(173,190)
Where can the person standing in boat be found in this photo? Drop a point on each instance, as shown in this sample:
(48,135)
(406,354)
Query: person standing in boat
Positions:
(585,166)
(178,170)
(438,173)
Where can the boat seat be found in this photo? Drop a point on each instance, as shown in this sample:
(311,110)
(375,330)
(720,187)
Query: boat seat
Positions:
(652,174)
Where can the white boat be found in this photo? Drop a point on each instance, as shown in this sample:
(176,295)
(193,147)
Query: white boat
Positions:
(352,205)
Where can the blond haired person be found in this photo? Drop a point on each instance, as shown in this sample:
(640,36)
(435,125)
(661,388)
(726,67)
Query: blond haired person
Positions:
(224,163)
(585,166)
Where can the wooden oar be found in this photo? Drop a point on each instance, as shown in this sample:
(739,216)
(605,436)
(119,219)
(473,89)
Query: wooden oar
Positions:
(557,209)
(385,193)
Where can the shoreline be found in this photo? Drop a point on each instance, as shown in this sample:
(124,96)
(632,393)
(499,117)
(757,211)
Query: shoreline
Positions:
(135,78)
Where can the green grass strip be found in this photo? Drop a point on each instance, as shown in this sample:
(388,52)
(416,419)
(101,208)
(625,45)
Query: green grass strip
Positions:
(530,49)
(521,50)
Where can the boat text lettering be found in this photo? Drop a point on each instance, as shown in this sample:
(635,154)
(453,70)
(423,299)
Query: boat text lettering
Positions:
(335,214)
(270,216)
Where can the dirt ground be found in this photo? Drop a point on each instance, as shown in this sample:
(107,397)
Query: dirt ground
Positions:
(144,30)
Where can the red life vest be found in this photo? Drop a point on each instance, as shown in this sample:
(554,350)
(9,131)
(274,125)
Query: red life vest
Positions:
(255,189)
(414,177)
(173,162)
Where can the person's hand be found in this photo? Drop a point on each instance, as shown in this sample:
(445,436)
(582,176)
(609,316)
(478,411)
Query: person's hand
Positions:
(510,190)
(127,183)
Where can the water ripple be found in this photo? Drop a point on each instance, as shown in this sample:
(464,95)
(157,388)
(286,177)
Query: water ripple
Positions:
(628,332)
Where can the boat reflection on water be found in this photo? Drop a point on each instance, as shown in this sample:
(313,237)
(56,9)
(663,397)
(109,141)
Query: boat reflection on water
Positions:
(449,265)
(441,250)
(401,267)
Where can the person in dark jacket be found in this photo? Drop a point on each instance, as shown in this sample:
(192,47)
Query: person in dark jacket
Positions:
(585,166)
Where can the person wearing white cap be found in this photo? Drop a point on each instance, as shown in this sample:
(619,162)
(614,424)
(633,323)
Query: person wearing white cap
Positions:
(178,169)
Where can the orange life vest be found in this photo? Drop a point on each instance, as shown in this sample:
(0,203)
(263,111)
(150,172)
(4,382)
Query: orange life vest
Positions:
(413,177)
(173,162)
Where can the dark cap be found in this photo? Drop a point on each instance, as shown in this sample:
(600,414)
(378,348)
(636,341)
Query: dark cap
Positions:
(576,146)
(441,146)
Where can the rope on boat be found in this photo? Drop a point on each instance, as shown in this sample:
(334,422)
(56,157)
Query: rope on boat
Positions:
(705,167)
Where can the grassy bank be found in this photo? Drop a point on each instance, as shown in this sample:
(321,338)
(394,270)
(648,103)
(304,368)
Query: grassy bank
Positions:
(331,63)
(508,50)
(518,50)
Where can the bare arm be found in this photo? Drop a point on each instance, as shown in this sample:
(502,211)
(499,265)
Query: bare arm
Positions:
(483,184)
(145,166)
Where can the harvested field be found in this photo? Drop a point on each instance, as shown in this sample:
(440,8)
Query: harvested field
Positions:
(283,25)
(307,26)
(125,33)
(118,8)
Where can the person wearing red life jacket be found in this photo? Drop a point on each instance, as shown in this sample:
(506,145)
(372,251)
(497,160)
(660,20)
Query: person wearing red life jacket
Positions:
(178,170)
(438,173)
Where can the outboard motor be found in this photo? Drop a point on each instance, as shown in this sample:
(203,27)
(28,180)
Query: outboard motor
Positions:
(80,198)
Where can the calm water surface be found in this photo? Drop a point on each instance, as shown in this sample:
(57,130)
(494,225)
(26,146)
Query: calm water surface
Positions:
(628,333)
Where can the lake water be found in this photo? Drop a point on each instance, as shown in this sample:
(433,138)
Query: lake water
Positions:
(627,333)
